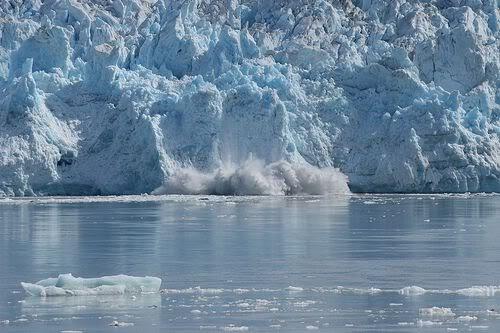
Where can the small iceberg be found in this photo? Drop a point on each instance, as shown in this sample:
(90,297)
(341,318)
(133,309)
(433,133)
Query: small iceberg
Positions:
(412,291)
(436,312)
(68,285)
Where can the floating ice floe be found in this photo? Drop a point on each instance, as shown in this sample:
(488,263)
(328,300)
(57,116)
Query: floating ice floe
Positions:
(209,327)
(474,291)
(116,323)
(412,291)
(233,328)
(360,291)
(436,312)
(195,290)
(466,319)
(404,323)
(304,304)
(21,320)
(427,323)
(68,285)
(478,291)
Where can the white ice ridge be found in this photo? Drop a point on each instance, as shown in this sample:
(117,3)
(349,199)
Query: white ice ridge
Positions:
(67,285)
(253,177)
(127,96)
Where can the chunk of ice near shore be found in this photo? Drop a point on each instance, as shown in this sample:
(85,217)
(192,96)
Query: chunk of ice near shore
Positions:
(68,285)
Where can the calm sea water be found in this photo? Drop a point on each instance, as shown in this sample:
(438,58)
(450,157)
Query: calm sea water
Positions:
(257,264)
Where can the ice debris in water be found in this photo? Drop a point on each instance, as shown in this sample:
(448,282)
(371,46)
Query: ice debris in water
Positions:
(116,323)
(466,318)
(412,291)
(436,312)
(312,327)
(474,291)
(233,328)
(478,291)
(67,285)
(195,290)
(427,323)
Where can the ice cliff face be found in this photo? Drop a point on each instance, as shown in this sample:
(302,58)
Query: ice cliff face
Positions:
(124,96)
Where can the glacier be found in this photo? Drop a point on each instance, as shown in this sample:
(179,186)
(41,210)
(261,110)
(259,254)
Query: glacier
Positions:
(164,96)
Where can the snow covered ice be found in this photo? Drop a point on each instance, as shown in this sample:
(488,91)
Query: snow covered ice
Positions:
(133,96)
(67,285)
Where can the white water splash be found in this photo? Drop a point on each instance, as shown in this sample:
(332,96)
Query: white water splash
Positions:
(254,177)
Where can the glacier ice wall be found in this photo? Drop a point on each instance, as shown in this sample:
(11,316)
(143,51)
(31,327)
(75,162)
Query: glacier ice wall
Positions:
(117,96)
